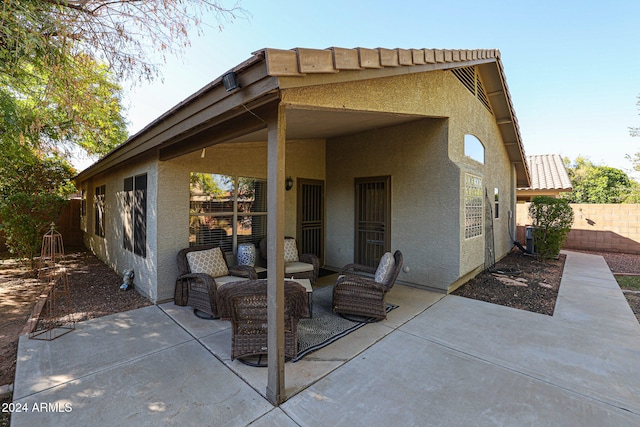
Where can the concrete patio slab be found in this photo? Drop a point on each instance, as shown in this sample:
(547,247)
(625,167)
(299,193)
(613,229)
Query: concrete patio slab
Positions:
(589,295)
(538,346)
(182,385)
(407,380)
(194,325)
(95,345)
(274,418)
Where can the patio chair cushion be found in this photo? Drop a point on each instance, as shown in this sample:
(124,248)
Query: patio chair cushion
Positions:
(290,251)
(385,268)
(221,280)
(297,267)
(210,261)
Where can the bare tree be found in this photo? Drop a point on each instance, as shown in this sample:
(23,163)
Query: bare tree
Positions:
(131,36)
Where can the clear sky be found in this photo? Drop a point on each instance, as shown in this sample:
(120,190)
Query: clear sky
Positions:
(572,67)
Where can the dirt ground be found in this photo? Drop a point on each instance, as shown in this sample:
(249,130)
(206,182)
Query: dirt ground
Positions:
(518,281)
(536,286)
(95,292)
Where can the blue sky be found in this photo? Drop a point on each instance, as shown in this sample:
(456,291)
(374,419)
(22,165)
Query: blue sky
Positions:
(572,67)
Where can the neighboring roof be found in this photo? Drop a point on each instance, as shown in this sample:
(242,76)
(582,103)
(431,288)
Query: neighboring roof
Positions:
(548,173)
(268,70)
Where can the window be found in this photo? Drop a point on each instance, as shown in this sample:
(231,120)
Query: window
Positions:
(496,213)
(472,206)
(98,200)
(227,210)
(473,148)
(135,215)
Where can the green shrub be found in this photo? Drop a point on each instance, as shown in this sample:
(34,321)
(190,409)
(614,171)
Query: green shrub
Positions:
(552,219)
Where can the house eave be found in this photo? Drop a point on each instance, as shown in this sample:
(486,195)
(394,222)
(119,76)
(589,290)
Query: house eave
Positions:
(208,116)
(199,111)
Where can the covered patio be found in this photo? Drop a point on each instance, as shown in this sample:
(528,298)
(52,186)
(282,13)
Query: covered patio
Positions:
(215,336)
(340,116)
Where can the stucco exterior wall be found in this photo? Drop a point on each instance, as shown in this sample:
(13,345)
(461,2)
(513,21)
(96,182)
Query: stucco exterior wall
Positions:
(496,172)
(305,159)
(110,248)
(427,163)
(168,207)
(424,209)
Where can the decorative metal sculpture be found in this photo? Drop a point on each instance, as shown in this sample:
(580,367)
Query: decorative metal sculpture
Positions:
(57,317)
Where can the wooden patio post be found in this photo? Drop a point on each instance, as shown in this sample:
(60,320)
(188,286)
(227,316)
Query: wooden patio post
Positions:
(275,252)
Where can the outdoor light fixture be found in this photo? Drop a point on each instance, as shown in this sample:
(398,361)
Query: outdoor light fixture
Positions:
(229,81)
(288,184)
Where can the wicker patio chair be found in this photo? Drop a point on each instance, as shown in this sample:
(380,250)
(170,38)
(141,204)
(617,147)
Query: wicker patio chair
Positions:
(296,265)
(358,295)
(196,285)
(245,304)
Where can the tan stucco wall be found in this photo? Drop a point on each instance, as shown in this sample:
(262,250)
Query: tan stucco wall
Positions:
(427,163)
(424,209)
(168,208)
(110,248)
(496,172)
(305,159)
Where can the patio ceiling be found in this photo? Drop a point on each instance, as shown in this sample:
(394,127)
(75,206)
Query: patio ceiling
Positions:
(323,124)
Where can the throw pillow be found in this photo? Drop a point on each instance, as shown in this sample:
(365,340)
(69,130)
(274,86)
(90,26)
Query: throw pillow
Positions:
(385,268)
(210,261)
(290,250)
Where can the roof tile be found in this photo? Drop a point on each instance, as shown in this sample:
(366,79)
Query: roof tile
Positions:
(548,173)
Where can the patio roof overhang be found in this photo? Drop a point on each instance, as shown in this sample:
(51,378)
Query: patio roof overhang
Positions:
(213,115)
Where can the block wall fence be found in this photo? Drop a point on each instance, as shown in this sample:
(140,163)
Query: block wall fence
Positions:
(596,227)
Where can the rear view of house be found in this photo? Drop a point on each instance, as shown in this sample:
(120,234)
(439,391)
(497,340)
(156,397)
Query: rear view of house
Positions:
(384,149)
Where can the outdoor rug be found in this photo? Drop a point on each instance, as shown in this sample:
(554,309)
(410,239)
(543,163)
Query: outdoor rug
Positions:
(325,326)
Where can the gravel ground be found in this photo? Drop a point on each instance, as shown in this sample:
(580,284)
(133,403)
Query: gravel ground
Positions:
(620,263)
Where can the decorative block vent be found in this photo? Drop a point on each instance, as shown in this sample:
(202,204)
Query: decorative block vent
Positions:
(471,80)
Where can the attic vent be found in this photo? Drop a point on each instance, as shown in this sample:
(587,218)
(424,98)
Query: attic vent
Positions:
(471,80)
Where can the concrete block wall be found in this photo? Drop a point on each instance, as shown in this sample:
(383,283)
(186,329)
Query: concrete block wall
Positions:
(598,227)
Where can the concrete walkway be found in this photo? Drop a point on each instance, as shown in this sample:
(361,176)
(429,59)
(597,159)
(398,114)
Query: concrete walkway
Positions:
(459,362)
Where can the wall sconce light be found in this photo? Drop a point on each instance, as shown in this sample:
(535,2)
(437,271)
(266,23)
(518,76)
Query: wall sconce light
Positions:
(230,82)
(288,184)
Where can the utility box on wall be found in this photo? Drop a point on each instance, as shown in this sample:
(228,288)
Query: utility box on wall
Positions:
(530,244)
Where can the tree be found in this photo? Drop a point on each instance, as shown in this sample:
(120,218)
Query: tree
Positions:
(32,191)
(596,184)
(51,111)
(64,56)
(59,60)
(124,34)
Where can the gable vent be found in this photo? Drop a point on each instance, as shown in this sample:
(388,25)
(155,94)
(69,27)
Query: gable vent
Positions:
(471,80)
